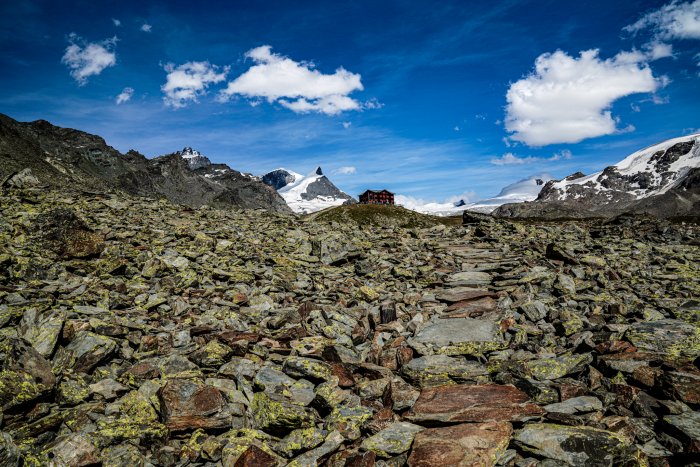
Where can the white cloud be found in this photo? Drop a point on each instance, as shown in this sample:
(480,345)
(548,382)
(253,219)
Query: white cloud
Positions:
(297,86)
(146,27)
(116,22)
(186,82)
(125,95)
(347,125)
(567,99)
(511,159)
(88,59)
(656,50)
(675,20)
(347,170)
(372,104)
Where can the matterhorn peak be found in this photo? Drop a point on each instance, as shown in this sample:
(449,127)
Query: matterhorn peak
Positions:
(319,171)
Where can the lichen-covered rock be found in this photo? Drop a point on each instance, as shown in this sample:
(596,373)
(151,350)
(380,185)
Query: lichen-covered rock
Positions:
(439,370)
(134,419)
(25,374)
(393,440)
(348,421)
(10,454)
(673,339)
(300,367)
(459,336)
(573,445)
(64,233)
(279,416)
(685,427)
(87,350)
(556,367)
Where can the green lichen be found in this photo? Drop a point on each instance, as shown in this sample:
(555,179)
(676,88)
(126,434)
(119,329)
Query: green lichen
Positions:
(137,419)
(475,349)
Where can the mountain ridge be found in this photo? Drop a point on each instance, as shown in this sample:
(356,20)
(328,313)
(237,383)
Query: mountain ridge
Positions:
(69,159)
(660,180)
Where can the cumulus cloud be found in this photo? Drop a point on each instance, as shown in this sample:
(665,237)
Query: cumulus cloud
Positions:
(675,20)
(347,170)
(116,22)
(87,59)
(567,99)
(145,27)
(511,159)
(297,86)
(186,82)
(125,96)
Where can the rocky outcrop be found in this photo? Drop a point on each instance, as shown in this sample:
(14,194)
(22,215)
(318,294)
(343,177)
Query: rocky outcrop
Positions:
(279,178)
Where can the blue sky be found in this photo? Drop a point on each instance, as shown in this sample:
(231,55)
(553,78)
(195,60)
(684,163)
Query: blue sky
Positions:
(428,99)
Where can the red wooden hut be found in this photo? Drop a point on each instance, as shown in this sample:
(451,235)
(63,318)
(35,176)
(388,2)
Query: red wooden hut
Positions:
(377,197)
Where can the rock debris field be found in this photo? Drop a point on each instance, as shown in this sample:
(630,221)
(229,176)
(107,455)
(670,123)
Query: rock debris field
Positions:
(136,332)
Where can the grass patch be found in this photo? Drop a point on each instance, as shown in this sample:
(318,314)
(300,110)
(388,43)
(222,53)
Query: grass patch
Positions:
(382,216)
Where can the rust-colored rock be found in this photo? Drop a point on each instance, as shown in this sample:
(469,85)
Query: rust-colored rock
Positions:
(255,457)
(345,379)
(464,445)
(470,308)
(190,405)
(472,403)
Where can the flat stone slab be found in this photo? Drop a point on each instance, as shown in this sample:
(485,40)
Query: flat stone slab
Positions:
(686,428)
(460,294)
(581,404)
(473,403)
(440,370)
(458,336)
(392,440)
(469,278)
(470,308)
(672,338)
(464,445)
(574,445)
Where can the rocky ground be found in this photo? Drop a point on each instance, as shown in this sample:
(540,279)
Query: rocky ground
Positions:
(138,333)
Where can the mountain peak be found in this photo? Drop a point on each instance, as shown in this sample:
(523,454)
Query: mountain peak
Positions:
(195,159)
(189,153)
(319,171)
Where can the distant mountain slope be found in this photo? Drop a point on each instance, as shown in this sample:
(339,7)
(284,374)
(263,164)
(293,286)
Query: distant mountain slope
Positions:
(69,159)
(524,190)
(661,180)
(306,194)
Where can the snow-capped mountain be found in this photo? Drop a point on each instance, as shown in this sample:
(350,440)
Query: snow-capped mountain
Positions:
(524,190)
(661,180)
(447,208)
(195,159)
(649,172)
(518,192)
(306,194)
